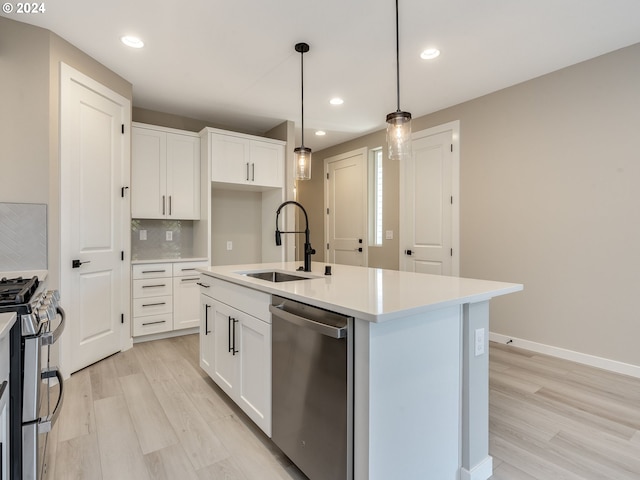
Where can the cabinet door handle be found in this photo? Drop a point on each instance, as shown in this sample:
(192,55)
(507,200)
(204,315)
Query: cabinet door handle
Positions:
(229,332)
(154,304)
(163,204)
(153,323)
(155,286)
(234,351)
(169,204)
(187,269)
(247,171)
(192,279)
(153,271)
(253,172)
(203,285)
(206,318)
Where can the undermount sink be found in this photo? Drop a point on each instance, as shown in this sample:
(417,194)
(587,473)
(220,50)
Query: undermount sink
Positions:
(275,276)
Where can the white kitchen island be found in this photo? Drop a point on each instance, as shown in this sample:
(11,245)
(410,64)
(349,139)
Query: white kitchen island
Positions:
(420,363)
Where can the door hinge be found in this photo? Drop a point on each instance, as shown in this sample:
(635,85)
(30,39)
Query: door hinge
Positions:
(327,246)
(122,255)
(452,148)
(122,190)
(452,252)
(122,318)
(123,128)
(451,199)
(327,211)
(327,176)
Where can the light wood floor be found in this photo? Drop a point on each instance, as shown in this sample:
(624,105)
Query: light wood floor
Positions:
(152,413)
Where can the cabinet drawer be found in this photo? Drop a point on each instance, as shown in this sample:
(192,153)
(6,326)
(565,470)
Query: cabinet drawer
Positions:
(151,270)
(152,324)
(152,306)
(151,287)
(184,269)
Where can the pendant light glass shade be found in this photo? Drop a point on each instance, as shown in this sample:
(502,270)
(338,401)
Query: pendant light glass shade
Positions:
(399,135)
(398,122)
(303,163)
(302,154)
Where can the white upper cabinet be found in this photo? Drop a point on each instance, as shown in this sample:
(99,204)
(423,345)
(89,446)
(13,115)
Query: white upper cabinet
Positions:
(245,160)
(165,173)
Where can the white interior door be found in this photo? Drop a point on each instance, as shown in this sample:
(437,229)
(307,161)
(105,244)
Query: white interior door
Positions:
(94,214)
(346,207)
(429,203)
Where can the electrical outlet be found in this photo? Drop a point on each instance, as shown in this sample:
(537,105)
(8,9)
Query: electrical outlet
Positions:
(169,236)
(143,234)
(229,245)
(389,235)
(479,341)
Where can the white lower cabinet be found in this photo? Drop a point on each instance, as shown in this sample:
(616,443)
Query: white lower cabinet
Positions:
(165,297)
(236,350)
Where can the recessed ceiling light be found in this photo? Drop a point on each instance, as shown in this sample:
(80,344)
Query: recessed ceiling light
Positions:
(321,133)
(133,42)
(336,101)
(430,53)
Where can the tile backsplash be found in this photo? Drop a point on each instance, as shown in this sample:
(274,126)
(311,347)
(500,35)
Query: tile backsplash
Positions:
(156,245)
(23,236)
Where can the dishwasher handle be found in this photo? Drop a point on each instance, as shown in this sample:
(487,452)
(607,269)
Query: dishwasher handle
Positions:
(319,327)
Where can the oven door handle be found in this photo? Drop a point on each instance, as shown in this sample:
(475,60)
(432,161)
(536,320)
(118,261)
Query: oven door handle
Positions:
(46,423)
(49,338)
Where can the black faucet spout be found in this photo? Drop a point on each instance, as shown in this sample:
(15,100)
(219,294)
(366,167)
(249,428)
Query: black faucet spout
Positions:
(308,250)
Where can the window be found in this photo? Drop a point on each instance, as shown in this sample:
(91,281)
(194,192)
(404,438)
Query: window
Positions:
(375,197)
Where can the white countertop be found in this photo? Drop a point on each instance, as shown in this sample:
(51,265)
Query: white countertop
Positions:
(6,322)
(371,294)
(168,260)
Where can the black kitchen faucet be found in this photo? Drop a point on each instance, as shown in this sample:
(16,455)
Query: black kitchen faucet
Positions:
(308,251)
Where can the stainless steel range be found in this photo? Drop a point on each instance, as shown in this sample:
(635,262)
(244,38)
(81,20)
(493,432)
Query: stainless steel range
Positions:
(31,416)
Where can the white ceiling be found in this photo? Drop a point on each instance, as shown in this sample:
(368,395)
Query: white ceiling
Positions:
(234,63)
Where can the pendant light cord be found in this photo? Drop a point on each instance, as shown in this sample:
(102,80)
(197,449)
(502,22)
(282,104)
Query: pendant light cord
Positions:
(302,92)
(397,56)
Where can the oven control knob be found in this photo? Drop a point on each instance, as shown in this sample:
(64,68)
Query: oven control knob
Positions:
(43,315)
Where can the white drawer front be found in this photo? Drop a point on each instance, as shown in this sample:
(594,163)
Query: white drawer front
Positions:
(152,306)
(152,324)
(151,287)
(152,270)
(187,269)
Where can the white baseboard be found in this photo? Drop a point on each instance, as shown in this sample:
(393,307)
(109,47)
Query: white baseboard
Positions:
(481,471)
(591,360)
(163,335)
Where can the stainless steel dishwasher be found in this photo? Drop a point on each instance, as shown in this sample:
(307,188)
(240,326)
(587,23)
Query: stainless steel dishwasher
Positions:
(312,385)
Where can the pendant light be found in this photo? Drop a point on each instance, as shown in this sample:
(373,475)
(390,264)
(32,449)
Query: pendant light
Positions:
(398,122)
(302,154)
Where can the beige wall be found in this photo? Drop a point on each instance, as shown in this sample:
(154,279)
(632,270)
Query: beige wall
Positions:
(549,197)
(24,113)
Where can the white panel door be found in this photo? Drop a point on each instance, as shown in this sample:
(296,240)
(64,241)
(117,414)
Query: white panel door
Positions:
(94,168)
(346,203)
(186,293)
(427,204)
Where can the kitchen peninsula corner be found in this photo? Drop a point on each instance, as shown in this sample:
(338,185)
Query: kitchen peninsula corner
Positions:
(420,380)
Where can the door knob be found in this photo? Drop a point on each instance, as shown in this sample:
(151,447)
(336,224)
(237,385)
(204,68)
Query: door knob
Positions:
(408,252)
(360,249)
(77,263)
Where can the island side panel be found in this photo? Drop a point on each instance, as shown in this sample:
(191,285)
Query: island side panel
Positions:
(408,397)
(476,462)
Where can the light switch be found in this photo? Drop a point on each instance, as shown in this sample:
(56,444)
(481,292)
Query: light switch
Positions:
(169,236)
(229,245)
(143,234)
(389,235)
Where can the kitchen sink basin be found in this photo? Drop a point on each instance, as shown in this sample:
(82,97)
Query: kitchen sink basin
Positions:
(275,276)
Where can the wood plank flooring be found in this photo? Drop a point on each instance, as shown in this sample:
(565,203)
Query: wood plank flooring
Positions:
(554,419)
(152,413)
